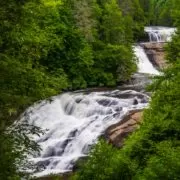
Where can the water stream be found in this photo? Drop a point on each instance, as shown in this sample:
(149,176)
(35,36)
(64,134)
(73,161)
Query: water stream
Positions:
(75,121)
(144,65)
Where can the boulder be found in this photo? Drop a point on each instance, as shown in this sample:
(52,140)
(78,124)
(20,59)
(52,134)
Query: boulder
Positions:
(116,133)
(156,53)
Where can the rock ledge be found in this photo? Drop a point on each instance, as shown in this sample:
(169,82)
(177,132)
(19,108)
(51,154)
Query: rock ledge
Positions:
(156,53)
(116,133)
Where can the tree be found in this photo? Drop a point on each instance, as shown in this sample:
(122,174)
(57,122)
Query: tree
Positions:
(113,43)
(131,9)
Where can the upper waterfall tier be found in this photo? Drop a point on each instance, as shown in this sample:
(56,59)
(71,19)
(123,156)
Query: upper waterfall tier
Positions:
(159,34)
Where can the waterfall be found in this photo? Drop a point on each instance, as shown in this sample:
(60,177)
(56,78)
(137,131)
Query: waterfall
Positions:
(159,34)
(74,121)
(144,65)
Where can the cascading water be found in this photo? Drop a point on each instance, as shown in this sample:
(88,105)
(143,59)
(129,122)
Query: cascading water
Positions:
(74,121)
(159,34)
(144,65)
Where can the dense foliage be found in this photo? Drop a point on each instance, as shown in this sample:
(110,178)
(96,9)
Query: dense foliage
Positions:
(160,12)
(47,46)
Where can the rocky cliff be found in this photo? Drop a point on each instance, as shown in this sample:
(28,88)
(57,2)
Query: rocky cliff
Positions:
(116,133)
(156,53)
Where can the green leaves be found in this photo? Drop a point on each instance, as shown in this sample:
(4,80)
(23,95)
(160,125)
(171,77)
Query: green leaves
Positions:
(161,12)
(100,156)
(173,49)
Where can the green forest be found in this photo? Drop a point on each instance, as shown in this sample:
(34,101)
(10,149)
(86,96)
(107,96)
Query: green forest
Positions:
(52,46)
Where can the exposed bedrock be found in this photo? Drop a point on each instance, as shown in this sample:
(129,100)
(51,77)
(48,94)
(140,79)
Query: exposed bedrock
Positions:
(116,133)
(156,53)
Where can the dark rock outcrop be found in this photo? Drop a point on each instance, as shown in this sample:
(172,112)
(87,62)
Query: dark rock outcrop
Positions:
(116,133)
(156,53)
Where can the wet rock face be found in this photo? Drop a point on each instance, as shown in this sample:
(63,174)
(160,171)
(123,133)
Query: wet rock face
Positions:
(118,132)
(156,53)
